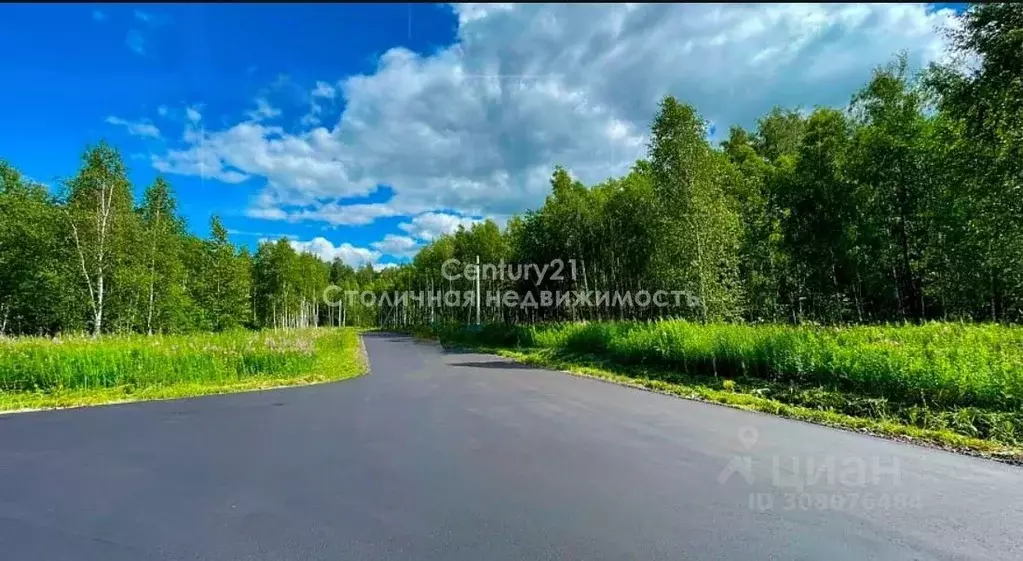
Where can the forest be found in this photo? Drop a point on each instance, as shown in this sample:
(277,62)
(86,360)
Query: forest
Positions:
(904,206)
(92,260)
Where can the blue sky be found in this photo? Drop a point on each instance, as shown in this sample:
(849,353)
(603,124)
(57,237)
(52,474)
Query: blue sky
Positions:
(365,131)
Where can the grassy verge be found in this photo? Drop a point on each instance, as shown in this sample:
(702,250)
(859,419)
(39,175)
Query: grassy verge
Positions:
(44,374)
(818,394)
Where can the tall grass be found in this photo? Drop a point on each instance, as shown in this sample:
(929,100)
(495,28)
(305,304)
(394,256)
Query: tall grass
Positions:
(48,365)
(940,377)
(939,365)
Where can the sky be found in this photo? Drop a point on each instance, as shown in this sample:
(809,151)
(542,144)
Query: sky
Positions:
(364,131)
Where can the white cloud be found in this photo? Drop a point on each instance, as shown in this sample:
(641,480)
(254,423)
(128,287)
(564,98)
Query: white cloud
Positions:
(193,114)
(322,93)
(477,127)
(152,19)
(331,213)
(469,12)
(431,225)
(267,213)
(198,161)
(294,165)
(310,119)
(135,128)
(327,251)
(162,110)
(264,236)
(324,89)
(263,110)
(397,246)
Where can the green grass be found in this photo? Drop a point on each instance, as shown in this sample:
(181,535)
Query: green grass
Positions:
(958,386)
(44,373)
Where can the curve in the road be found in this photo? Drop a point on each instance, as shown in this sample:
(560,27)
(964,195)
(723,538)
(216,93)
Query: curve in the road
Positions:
(448,456)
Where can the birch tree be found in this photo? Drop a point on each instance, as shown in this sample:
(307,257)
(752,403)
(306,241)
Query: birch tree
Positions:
(699,237)
(163,232)
(98,209)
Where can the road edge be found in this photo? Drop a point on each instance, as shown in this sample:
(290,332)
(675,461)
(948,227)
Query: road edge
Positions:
(1014,458)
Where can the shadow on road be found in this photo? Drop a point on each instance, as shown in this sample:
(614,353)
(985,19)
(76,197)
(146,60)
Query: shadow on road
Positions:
(460,351)
(391,337)
(499,364)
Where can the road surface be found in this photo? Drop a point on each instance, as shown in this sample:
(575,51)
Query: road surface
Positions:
(448,457)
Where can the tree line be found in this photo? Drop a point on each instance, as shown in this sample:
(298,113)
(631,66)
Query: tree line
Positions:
(906,205)
(89,259)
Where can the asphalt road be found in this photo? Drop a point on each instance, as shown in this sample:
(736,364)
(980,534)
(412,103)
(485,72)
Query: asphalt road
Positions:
(450,457)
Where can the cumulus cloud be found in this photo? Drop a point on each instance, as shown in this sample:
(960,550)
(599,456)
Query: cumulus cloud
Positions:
(327,251)
(193,114)
(431,225)
(477,127)
(397,246)
(353,256)
(198,161)
(135,128)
